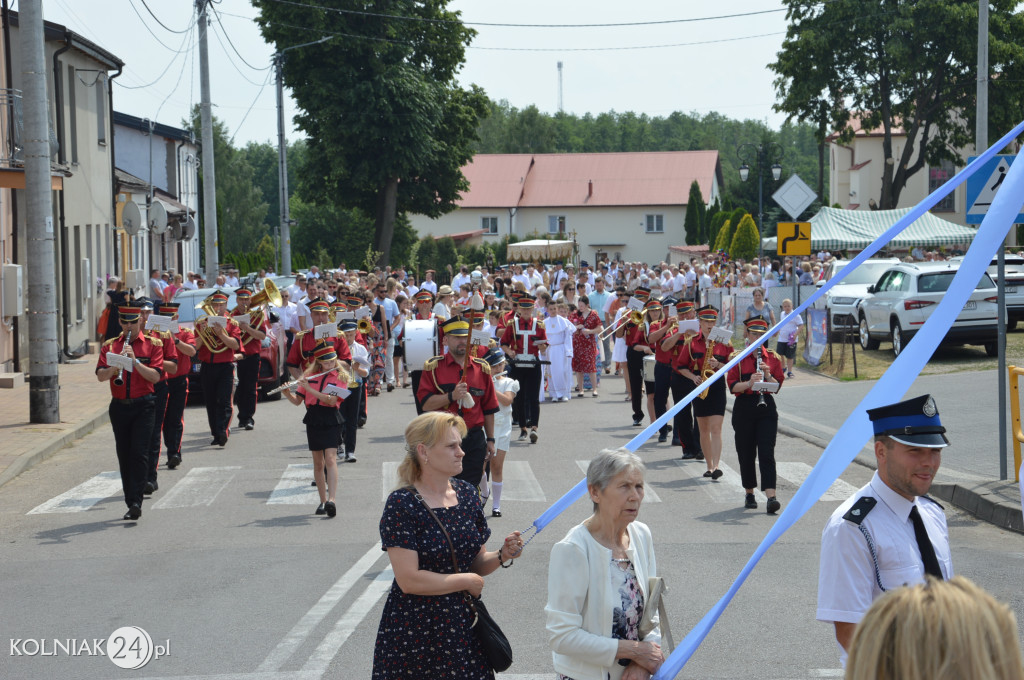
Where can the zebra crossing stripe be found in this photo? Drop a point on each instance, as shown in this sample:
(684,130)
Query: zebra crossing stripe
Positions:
(294,487)
(650,495)
(83,496)
(199,486)
(798,472)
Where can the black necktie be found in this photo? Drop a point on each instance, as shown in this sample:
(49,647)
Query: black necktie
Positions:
(931,562)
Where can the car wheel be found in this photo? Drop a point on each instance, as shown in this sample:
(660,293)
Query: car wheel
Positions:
(992,348)
(1011,325)
(866,341)
(271,397)
(897,338)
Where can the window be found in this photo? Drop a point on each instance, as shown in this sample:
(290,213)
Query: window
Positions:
(101,109)
(937,176)
(655,224)
(556,224)
(489,225)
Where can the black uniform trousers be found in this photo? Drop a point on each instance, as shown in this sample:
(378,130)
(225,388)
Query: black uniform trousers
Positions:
(474,445)
(685,423)
(218,381)
(662,385)
(529,377)
(517,403)
(755,427)
(132,422)
(174,416)
(415,377)
(159,408)
(245,393)
(635,370)
(350,408)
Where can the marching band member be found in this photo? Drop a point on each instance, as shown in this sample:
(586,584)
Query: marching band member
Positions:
(132,402)
(252,331)
(656,332)
(687,432)
(177,388)
(655,315)
(525,339)
(636,347)
(505,389)
(301,355)
(217,355)
(170,367)
(352,407)
(696,362)
(755,418)
(323,420)
(446,383)
(424,301)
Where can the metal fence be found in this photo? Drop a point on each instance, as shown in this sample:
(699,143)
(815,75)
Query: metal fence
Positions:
(732,305)
(11,128)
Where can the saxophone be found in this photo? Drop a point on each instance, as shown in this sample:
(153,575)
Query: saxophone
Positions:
(705,369)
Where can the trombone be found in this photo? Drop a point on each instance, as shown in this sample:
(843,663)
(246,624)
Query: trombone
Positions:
(634,317)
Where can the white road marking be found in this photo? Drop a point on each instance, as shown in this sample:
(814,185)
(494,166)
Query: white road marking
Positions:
(350,620)
(83,496)
(728,489)
(294,487)
(282,675)
(650,495)
(388,479)
(311,619)
(199,486)
(519,483)
(798,472)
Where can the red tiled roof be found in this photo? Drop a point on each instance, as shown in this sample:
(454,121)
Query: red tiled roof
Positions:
(588,179)
(461,236)
(690,249)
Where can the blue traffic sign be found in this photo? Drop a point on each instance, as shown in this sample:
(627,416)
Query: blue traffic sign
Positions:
(983,185)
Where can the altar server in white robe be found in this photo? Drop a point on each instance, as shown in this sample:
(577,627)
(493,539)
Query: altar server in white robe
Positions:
(559,332)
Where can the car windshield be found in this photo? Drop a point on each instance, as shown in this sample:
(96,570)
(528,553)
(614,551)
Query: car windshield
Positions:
(867,272)
(939,282)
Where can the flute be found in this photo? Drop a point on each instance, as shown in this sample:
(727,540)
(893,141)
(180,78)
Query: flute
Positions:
(292,383)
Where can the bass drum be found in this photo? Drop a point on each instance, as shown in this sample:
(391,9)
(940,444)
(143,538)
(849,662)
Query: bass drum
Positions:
(420,342)
(649,363)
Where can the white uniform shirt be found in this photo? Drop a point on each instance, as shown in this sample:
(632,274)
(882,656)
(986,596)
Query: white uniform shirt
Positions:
(429,285)
(846,576)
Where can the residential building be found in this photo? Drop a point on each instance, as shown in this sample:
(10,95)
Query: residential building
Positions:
(621,205)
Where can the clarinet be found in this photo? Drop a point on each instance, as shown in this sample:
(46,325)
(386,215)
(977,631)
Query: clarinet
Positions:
(119,378)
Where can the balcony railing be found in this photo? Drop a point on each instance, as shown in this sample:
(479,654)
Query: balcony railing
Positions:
(11,129)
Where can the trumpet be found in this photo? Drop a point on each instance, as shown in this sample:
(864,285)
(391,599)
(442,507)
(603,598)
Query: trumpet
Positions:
(119,378)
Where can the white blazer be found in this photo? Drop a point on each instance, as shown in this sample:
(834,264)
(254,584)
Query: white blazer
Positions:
(581,600)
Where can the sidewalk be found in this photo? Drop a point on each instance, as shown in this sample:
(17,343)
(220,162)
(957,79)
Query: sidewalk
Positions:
(83,407)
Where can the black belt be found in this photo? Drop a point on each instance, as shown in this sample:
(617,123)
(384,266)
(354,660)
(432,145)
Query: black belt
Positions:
(474,429)
(136,400)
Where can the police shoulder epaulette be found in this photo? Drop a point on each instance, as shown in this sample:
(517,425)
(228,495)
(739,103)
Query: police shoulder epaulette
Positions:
(484,366)
(860,509)
(431,363)
(933,501)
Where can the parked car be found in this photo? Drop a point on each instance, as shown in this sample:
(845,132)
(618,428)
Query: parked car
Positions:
(1014,274)
(905,296)
(272,352)
(841,302)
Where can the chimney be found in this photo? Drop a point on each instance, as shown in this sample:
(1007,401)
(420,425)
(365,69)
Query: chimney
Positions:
(590,188)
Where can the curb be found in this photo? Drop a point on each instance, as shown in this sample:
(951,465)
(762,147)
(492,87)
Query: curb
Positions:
(54,444)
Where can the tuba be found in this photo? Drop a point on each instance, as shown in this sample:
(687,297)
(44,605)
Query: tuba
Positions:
(364,325)
(258,303)
(203,330)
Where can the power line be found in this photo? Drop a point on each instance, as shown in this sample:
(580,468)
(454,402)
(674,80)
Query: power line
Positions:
(166,27)
(232,61)
(155,36)
(228,37)
(174,58)
(184,65)
(249,110)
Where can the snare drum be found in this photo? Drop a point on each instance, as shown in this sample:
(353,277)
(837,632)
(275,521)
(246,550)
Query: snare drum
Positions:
(649,362)
(420,342)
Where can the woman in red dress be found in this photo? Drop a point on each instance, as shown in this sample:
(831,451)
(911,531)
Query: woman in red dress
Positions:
(584,343)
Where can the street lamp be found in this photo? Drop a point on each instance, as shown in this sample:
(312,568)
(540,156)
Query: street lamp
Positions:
(763,155)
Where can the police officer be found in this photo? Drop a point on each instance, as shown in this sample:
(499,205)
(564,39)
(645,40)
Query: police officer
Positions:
(217,347)
(446,382)
(170,367)
(131,405)
(755,420)
(889,533)
(253,328)
(177,387)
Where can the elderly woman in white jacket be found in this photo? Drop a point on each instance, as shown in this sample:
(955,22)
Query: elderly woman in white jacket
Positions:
(597,581)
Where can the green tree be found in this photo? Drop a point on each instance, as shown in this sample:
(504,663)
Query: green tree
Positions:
(389,128)
(744,242)
(694,221)
(900,65)
(427,254)
(709,216)
(714,226)
(723,241)
(447,254)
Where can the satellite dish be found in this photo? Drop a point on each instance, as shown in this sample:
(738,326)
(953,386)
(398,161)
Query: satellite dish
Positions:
(175,230)
(131,218)
(157,218)
(188,228)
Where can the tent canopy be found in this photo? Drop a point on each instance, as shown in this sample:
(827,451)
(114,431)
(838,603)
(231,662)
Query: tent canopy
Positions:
(539,249)
(836,229)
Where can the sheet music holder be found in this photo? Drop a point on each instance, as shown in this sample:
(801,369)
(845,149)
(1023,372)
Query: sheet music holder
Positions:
(337,390)
(161,323)
(221,321)
(325,330)
(720,334)
(765,387)
(120,361)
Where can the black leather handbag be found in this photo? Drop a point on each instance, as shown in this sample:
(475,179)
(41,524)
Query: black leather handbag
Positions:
(493,641)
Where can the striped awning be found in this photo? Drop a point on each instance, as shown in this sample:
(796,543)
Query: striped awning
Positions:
(837,229)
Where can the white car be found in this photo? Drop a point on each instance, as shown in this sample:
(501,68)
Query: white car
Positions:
(906,295)
(842,300)
(1014,281)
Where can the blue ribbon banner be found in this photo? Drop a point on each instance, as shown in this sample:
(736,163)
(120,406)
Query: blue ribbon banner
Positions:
(856,429)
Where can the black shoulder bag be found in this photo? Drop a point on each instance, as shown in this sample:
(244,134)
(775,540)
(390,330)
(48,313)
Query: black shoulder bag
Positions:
(497,649)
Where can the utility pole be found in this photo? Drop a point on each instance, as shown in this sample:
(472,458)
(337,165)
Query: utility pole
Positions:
(44,394)
(282,172)
(209,178)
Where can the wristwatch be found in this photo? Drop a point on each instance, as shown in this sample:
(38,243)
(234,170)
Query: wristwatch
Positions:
(490,439)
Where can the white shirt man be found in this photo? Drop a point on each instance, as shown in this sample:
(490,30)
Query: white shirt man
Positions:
(429,284)
(190,282)
(156,286)
(690,277)
(534,278)
(521,278)
(461,278)
(231,279)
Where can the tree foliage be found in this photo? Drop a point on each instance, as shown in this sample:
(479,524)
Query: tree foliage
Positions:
(723,241)
(744,242)
(389,128)
(715,223)
(901,65)
(693,224)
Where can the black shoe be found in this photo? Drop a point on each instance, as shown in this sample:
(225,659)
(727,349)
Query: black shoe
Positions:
(773,505)
(173,462)
(751,502)
(362,421)
(689,455)
(350,457)
(662,438)
(134,512)
(216,441)
(150,488)
(638,423)
(533,436)
(675,442)
(523,436)
(390,387)
(495,513)
(699,455)
(313,483)
(707,473)
(668,428)
(717,474)
(321,510)
(331,508)
(251,425)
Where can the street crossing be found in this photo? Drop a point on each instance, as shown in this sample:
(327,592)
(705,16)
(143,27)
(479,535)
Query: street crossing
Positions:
(203,486)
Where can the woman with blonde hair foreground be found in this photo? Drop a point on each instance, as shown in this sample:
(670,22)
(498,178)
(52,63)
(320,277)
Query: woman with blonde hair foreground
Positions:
(940,630)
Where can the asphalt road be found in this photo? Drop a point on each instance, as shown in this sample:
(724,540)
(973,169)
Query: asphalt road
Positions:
(231,572)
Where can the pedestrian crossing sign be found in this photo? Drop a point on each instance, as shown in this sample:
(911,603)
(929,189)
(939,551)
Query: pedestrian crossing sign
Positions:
(983,185)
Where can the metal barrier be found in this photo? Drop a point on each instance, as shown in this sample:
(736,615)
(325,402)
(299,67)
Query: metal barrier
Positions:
(1018,435)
